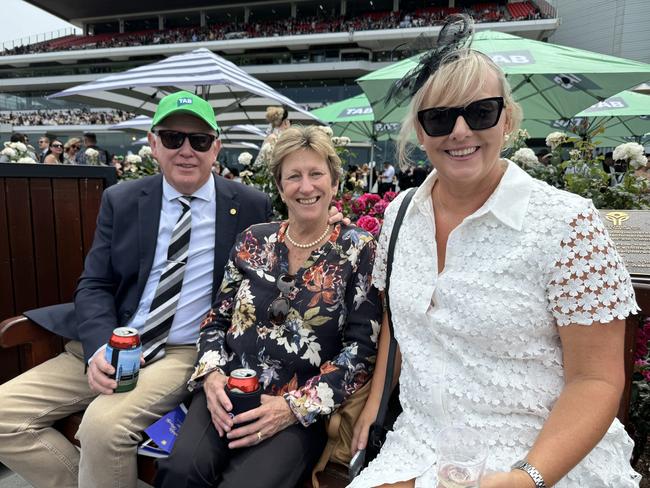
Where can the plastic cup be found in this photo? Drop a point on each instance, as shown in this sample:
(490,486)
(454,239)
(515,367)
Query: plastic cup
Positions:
(461,456)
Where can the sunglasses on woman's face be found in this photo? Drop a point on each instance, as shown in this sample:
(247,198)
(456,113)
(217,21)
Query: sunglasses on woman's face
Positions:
(57,145)
(479,115)
(173,139)
(279,308)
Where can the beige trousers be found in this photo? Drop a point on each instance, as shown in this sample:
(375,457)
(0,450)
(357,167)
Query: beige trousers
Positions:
(110,430)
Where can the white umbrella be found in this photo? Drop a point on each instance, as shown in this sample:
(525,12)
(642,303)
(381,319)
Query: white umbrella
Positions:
(237,97)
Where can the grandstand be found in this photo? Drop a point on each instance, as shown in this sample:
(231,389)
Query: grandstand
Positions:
(309,50)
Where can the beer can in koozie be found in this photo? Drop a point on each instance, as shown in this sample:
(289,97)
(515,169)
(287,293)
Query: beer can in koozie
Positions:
(123,352)
(243,389)
(243,380)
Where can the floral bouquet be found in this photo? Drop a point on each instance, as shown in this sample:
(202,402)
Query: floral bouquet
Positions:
(17,152)
(139,165)
(245,158)
(92,156)
(632,153)
(367,210)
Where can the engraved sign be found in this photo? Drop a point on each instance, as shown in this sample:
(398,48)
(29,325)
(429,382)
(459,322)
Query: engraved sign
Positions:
(630,231)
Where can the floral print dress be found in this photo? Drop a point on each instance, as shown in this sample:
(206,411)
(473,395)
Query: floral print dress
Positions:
(326,348)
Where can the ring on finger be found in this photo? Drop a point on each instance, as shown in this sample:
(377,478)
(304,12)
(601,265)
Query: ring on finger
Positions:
(259,436)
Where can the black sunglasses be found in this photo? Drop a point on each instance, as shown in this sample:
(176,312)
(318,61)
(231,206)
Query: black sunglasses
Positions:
(479,115)
(56,145)
(173,139)
(279,308)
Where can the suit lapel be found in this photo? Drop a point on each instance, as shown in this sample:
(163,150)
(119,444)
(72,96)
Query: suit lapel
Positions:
(149,207)
(226,225)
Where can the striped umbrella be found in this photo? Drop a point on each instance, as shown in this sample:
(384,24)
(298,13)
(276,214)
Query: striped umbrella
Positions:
(237,97)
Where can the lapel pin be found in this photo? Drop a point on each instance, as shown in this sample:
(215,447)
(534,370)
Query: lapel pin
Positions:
(233,211)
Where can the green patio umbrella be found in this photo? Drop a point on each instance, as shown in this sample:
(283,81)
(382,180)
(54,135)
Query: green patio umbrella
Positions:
(353,118)
(550,81)
(624,117)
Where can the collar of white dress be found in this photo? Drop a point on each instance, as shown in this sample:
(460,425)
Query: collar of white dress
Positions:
(508,203)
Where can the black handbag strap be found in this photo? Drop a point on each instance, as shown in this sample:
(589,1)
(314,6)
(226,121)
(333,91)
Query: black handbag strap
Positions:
(392,348)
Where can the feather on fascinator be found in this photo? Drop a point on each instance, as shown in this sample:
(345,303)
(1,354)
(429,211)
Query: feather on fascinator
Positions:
(455,34)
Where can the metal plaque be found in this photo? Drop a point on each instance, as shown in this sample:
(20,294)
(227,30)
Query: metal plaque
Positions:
(630,231)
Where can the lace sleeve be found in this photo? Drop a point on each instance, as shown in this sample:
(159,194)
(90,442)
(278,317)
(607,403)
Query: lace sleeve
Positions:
(379,268)
(589,282)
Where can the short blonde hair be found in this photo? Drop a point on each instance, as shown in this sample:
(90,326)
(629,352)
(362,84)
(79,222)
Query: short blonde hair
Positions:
(311,137)
(276,115)
(456,83)
(71,142)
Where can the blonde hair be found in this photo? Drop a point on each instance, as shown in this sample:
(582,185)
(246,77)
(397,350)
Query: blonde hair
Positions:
(457,83)
(310,137)
(275,116)
(71,142)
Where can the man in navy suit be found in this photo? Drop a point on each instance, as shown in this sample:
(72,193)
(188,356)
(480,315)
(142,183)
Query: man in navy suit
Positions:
(117,287)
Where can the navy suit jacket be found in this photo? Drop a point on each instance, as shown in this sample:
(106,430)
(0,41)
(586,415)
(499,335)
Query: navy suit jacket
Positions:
(120,260)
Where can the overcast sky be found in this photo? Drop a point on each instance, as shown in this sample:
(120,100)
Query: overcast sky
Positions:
(22,20)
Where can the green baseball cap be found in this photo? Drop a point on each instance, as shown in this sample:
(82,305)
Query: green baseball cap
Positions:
(184,102)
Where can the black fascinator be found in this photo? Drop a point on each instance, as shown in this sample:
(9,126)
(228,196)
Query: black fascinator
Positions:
(454,35)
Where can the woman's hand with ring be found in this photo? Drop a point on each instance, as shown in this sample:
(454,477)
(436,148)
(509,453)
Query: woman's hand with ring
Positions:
(218,402)
(268,419)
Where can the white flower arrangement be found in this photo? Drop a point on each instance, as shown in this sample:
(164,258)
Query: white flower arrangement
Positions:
(340,141)
(554,139)
(632,152)
(245,158)
(133,159)
(9,152)
(574,154)
(92,156)
(246,174)
(145,152)
(522,134)
(17,152)
(526,157)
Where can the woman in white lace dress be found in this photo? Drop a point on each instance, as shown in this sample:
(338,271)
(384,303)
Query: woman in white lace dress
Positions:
(508,301)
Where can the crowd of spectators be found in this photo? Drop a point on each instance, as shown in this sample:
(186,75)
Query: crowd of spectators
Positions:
(64,117)
(481,12)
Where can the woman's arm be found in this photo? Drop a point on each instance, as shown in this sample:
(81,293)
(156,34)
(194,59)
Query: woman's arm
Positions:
(352,367)
(594,381)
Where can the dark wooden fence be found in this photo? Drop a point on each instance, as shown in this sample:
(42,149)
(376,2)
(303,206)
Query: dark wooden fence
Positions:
(47,223)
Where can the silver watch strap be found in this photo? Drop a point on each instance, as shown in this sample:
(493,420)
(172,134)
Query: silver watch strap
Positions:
(531,471)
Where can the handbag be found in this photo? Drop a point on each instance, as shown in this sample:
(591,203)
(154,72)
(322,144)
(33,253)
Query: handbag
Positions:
(380,427)
(340,426)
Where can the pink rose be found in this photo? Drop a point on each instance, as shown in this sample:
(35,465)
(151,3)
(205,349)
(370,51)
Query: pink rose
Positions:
(380,207)
(359,205)
(338,205)
(371,198)
(370,224)
(389,196)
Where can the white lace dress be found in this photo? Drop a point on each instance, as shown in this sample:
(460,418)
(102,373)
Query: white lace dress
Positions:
(480,343)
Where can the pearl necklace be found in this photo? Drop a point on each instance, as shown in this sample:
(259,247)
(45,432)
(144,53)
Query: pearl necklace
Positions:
(309,244)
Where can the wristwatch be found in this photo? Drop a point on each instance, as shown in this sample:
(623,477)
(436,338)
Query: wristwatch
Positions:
(532,472)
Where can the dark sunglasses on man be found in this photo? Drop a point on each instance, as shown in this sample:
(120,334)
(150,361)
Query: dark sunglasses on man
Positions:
(173,139)
(479,115)
(279,308)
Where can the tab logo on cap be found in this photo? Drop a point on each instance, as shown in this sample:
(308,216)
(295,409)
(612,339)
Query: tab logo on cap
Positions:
(184,101)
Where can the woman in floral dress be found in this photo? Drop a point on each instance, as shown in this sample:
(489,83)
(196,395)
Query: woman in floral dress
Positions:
(309,357)
(516,326)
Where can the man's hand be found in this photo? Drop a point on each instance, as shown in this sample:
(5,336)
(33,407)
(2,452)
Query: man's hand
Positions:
(271,417)
(99,371)
(336,217)
(218,402)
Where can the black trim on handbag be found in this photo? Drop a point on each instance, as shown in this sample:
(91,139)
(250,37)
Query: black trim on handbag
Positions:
(379,428)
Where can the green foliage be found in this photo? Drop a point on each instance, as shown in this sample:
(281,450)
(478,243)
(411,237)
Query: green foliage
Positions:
(574,166)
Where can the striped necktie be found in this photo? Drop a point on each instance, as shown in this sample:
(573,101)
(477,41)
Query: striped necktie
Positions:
(163,307)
